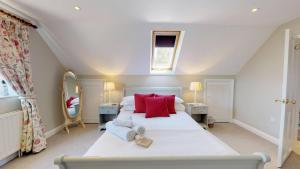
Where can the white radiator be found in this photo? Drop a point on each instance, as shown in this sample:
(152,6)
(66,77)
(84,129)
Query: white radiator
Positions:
(10,133)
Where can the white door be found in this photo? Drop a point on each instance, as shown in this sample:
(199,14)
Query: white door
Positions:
(289,110)
(218,95)
(92,98)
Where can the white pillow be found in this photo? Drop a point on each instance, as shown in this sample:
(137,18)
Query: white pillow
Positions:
(129,100)
(179,107)
(178,100)
(128,108)
(75,101)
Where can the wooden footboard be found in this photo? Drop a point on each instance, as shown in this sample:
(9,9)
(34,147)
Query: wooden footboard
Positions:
(255,161)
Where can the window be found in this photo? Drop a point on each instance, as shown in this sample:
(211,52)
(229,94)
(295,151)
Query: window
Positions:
(165,50)
(5,89)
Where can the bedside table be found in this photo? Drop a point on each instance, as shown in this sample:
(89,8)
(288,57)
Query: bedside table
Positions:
(199,113)
(107,112)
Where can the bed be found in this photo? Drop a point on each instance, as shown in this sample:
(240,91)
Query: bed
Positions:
(179,142)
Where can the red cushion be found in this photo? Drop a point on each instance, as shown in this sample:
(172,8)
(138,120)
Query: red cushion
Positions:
(139,102)
(171,102)
(156,107)
(68,102)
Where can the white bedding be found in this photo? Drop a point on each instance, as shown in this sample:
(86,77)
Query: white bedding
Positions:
(178,135)
(179,121)
(166,143)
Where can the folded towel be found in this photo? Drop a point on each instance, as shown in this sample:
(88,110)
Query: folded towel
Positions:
(124,133)
(143,141)
(139,129)
(123,122)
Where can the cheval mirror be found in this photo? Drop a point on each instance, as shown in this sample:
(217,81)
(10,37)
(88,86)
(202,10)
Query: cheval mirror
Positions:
(71,100)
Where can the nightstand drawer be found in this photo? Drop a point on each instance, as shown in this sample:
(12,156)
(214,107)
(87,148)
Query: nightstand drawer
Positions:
(109,109)
(199,110)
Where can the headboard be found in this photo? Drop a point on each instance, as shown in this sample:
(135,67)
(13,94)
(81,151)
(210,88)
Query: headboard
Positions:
(158,90)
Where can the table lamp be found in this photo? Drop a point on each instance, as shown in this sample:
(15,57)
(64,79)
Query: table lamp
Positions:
(196,87)
(109,86)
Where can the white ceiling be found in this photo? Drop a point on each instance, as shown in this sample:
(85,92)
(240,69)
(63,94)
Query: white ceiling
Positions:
(113,36)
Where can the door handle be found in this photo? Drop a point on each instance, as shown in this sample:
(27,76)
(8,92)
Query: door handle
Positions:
(284,101)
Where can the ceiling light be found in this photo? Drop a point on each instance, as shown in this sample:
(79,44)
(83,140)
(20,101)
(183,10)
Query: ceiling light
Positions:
(77,8)
(254,10)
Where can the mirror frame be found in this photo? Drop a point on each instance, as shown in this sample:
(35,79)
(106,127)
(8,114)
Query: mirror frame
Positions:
(64,93)
(69,120)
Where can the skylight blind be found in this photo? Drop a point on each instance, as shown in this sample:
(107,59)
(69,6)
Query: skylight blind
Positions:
(165,41)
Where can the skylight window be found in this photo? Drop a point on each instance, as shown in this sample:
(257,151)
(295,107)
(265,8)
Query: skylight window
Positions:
(165,50)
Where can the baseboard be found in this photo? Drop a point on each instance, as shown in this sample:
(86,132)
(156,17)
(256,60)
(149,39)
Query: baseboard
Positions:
(54,131)
(9,158)
(91,121)
(256,131)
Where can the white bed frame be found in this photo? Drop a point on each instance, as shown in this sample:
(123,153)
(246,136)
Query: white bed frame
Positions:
(255,161)
(158,90)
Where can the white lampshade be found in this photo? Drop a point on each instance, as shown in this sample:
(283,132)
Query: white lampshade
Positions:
(109,86)
(76,89)
(195,86)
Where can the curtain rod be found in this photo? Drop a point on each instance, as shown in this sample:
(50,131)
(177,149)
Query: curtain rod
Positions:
(19,19)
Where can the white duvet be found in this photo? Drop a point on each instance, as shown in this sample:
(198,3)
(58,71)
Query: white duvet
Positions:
(179,121)
(178,135)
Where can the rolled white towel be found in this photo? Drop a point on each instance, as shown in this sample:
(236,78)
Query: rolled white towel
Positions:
(123,122)
(139,129)
(124,133)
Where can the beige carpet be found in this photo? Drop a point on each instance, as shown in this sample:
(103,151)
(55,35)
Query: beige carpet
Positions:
(81,139)
(297,148)
(76,144)
(246,142)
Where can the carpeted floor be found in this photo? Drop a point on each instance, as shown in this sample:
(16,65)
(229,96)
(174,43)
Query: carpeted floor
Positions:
(79,140)
(76,143)
(246,142)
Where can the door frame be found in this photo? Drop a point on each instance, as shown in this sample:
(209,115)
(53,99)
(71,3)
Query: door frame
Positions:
(225,81)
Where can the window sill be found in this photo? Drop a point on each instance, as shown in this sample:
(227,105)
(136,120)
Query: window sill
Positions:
(162,73)
(8,97)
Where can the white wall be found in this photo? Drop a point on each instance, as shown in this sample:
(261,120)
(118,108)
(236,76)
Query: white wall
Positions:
(259,83)
(47,74)
(94,95)
(183,81)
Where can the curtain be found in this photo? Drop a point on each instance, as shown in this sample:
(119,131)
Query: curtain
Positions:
(15,67)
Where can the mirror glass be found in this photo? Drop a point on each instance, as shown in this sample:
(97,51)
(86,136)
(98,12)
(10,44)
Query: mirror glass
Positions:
(72,94)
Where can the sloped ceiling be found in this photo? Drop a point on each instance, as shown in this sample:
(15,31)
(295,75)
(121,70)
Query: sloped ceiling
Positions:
(113,36)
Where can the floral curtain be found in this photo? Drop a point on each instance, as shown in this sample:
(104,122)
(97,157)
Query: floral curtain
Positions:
(15,67)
